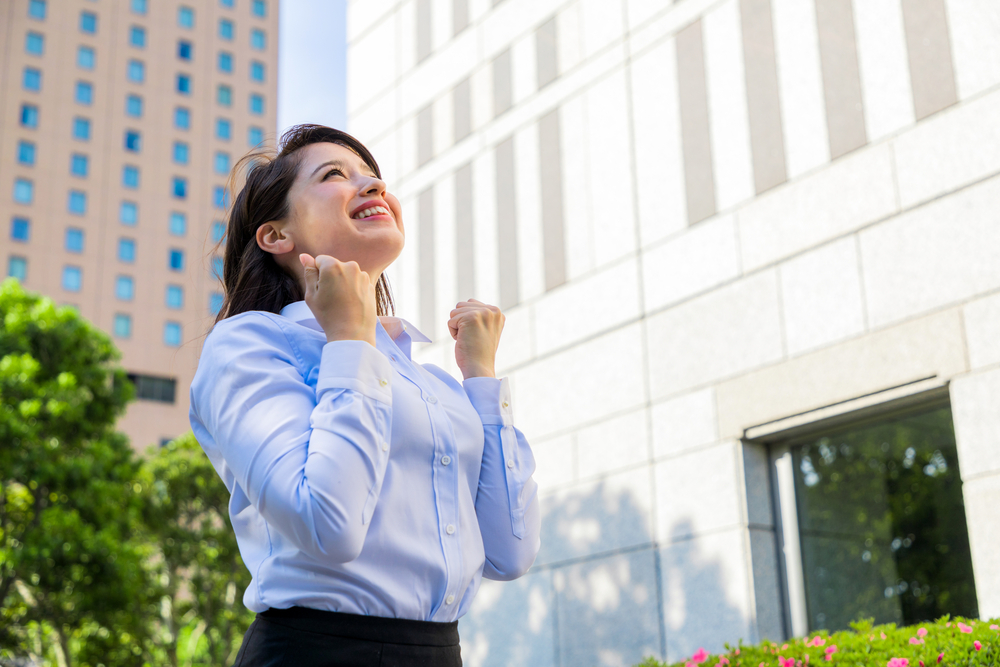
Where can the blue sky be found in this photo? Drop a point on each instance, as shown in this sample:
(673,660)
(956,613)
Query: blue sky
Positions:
(312,65)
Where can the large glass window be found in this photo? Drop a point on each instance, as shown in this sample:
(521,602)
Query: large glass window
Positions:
(256,104)
(74,239)
(77,202)
(130,176)
(79,165)
(126,250)
(72,278)
(218,231)
(17,267)
(149,388)
(128,213)
(219,197)
(136,71)
(184,50)
(133,106)
(85,57)
(20,229)
(179,187)
(882,523)
(88,22)
(257,70)
(175,297)
(175,259)
(225,29)
(26,153)
(137,37)
(29,115)
(258,39)
(34,43)
(36,9)
(182,118)
(172,334)
(84,93)
(123,325)
(133,141)
(181,152)
(215,302)
(225,62)
(223,129)
(221,163)
(24,191)
(32,79)
(259,8)
(124,288)
(185,17)
(81,129)
(139,6)
(255,136)
(184,84)
(224,95)
(178,224)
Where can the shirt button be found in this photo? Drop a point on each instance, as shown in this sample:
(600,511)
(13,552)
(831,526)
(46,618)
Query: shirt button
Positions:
(505,404)
(383,382)
(450,529)
(432,399)
(385,446)
(449,599)
(445,460)
(510,463)
(392,357)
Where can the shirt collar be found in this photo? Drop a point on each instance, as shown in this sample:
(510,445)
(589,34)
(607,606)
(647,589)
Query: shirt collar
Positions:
(400,331)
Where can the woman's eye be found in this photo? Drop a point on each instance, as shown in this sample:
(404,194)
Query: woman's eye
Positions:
(331,172)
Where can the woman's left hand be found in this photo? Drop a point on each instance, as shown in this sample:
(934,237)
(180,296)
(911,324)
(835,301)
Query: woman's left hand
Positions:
(476,327)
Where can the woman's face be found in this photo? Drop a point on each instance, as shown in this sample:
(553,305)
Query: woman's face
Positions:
(338,207)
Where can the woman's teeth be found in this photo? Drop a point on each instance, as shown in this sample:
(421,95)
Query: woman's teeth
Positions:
(369,212)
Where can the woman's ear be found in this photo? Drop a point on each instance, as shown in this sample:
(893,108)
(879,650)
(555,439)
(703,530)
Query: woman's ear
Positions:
(272,238)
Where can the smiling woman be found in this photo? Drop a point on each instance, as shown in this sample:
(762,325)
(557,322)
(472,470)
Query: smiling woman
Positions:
(370,494)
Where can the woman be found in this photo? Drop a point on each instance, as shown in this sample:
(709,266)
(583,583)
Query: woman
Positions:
(370,494)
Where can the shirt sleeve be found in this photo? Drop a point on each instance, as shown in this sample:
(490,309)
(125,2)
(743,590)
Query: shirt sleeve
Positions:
(311,461)
(507,501)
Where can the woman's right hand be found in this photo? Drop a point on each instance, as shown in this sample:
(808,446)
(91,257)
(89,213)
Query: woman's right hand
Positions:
(341,296)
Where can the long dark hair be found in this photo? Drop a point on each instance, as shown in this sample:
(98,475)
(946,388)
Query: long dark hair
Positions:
(251,279)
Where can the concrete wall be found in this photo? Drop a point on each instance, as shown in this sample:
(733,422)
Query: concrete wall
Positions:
(753,221)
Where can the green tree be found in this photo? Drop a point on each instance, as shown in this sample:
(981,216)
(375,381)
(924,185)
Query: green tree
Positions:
(186,511)
(72,565)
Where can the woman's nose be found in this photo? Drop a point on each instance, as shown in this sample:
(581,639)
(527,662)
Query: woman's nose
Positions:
(374,186)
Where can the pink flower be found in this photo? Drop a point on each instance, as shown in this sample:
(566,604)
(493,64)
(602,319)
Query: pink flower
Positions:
(898,662)
(941,656)
(883,637)
(978,646)
(830,650)
(967,629)
(921,663)
(995,627)
(700,656)
(914,640)
(922,632)
(817,641)
(762,665)
(783,662)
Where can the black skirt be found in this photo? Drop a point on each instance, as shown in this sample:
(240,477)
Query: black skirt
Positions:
(301,637)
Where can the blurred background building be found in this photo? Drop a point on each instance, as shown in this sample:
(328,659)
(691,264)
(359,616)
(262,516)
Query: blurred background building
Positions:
(748,253)
(119,123)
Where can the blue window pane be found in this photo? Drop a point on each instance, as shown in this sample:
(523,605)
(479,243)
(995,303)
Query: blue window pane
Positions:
(225,29)
(29,115)
(223,128)
(17,267)
(175,296)
(26,153)
(220,198)
(258,39)
(32,79)
(184,84)
(224,95)
(180,187)
(184,50)
(20,229)
(259,8)
(85,57)
(172,334)
(225,62)
(180,152)
(255,135)
(124,288)
(185,17)
(221,163)
(130,176)
(36,9)
(215,303)
(88,22)
(72,278)
(84,92)
(137,36)
(257,71)
(175,259)
(217,267)
(78,165)
(136,71)
(123,326)
(81,129)
(178,224)
(74,239)
(139,6)
(133,106)
(257,104)
(24,191)
(182,118)
(77,202)
(133,141)
(128,213)
(126,250)
(218,231)
(226,3)
(34,43)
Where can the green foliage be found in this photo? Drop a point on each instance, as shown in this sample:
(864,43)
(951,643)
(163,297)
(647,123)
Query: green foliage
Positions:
(953,641)
(105,559)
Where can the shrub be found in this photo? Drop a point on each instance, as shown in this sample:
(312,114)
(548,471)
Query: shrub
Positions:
(949,641)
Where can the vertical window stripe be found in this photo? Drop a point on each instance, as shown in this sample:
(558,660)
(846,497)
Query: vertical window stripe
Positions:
(502,92)
(423,29)
(459,16)
(547,50)
(507,225)
(550,158)
(462,110)
(425,135)
(695,140)
(427,263)
(932,72)
(465,240)
(766,140)
(838,57)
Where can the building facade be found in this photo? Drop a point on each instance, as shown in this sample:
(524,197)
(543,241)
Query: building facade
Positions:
(119,123)
(748,255)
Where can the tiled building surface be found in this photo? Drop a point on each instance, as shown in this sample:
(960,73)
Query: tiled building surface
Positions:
(119,122)
(708,222)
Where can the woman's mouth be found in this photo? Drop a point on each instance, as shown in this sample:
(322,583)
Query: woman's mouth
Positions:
(373,212)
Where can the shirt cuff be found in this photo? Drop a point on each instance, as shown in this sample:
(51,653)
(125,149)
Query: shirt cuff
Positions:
(491,399)
(355,365)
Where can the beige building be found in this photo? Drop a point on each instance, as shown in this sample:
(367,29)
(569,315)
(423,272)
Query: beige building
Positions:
(119,122)
(749,255)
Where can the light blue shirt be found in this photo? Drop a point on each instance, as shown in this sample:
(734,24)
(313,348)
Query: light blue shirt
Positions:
(362,482)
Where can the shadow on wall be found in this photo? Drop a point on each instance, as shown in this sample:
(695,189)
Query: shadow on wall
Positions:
(596,595)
